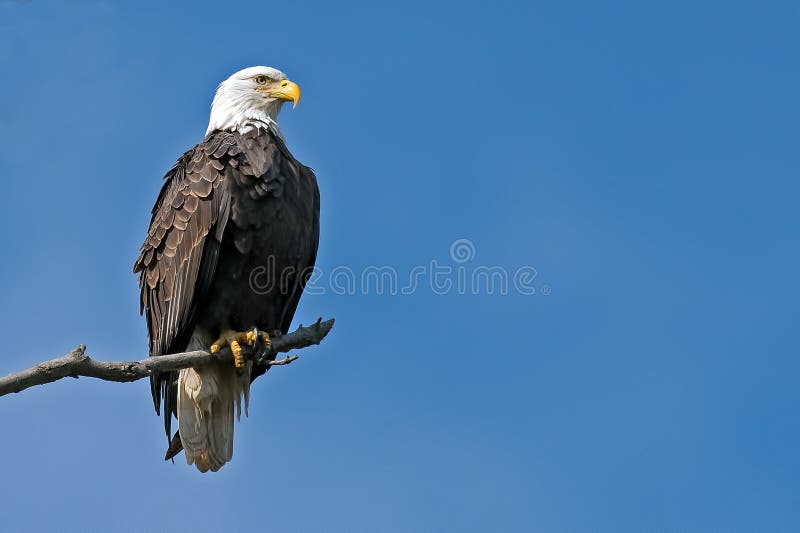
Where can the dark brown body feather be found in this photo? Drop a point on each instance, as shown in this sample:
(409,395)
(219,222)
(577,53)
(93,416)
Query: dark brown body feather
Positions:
(232,241)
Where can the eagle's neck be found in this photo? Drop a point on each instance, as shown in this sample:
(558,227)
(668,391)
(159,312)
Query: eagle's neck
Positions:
(232,115)
(268,124)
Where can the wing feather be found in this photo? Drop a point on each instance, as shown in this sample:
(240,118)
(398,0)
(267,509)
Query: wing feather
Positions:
(179,255)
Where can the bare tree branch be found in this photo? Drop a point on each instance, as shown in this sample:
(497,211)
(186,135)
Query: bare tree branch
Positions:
(77,363)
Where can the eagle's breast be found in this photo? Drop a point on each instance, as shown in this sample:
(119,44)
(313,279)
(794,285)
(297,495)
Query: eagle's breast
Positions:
(268,239)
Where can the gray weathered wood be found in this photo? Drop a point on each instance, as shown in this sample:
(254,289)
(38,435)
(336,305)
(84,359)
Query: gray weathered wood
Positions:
(77,363)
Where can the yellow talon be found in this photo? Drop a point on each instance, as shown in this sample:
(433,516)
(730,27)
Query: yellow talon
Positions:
(238,358)
(235,341)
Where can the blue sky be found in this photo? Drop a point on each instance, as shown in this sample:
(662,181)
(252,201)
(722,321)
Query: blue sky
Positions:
(641,157)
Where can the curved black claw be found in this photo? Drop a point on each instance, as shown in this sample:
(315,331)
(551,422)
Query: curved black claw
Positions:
(262,347)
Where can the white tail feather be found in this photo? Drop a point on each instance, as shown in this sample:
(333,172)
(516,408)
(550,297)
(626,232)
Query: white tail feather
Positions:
(206,399)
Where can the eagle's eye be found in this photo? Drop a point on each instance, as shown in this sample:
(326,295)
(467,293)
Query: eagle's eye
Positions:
(262,80)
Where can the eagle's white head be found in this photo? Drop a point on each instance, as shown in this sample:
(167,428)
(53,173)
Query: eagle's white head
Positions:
(254,93)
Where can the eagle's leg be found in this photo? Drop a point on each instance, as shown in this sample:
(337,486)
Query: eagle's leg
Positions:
(235,339)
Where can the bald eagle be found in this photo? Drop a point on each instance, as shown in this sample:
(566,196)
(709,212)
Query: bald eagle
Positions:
(236,202)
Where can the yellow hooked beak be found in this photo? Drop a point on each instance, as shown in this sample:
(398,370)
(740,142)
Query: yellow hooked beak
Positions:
(286,90)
